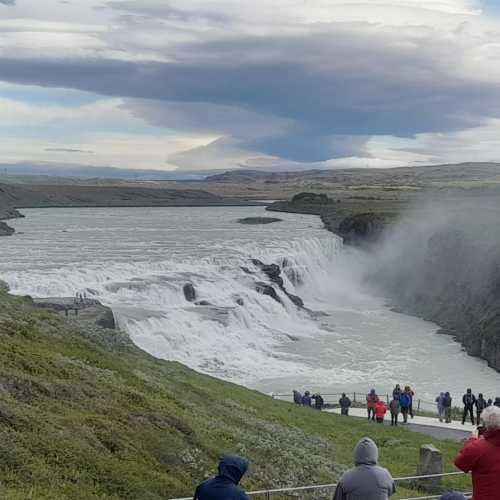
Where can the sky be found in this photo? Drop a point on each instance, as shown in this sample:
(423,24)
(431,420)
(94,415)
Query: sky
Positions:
(221,84)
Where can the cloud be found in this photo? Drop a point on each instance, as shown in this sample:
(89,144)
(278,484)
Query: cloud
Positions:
(69,150)
(8,2)
(273,83)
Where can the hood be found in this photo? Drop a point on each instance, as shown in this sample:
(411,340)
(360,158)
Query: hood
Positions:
(453,496)
(493,437)
(366,452)
(233,467)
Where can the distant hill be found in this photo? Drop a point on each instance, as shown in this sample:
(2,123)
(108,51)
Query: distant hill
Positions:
(41,173)
(456,175)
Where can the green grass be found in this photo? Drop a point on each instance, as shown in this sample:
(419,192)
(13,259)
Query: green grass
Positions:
(84,415)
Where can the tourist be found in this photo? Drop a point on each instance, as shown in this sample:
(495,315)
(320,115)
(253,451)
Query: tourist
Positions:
(489,403)
(345,404)
(306,399)
(497,402)
(481,456)
(380,411)
(396,393)
(453,495)
(367,480)
(447,400)
(371,401)
(469,400)
(318,401)
(440,406)
(226,485)
(411,394)
(405,402)
(297,397)
(481,405)
(394,407)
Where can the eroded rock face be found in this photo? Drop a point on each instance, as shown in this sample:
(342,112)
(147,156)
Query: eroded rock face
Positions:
(6,230)
(273,272)
(268,290)
(361,229)
(189,292)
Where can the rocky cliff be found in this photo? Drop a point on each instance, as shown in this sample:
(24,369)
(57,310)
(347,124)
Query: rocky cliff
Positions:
(5,214)
(442,264)
(453,280)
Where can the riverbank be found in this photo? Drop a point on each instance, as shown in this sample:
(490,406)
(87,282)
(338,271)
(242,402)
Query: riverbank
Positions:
(14,197)
(86,417)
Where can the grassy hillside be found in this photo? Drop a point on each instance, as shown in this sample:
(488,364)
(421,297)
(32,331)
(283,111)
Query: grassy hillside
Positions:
(86,415)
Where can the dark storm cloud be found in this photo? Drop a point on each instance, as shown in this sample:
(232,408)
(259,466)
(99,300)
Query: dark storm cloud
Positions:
(8,2)
(329,84)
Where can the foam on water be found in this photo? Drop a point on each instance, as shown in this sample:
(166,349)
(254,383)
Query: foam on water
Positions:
(138,260)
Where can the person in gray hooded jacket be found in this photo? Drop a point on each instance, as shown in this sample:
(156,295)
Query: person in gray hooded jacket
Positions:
(366,481)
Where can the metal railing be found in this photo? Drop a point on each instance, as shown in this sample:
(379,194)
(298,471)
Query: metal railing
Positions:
(359,398)
(310,489)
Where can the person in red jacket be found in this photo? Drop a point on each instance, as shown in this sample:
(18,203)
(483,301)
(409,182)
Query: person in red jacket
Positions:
(481,456)
(380,411)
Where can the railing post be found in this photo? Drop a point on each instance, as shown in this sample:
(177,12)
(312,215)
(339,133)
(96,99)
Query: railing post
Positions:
(418,406)
(354,397)
(387,397)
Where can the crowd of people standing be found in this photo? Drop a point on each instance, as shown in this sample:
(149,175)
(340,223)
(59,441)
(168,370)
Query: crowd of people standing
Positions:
(401,403)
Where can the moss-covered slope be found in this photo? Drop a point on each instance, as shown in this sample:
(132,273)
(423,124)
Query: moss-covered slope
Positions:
(85,415)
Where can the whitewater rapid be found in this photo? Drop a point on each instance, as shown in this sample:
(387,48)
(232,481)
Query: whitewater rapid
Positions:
(137,261)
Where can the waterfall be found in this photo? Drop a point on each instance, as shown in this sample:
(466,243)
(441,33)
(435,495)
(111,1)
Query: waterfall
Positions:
(237,332)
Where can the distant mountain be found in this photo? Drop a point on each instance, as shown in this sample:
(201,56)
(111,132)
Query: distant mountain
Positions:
(11,172)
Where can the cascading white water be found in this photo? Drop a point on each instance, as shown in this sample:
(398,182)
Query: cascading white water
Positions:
(239,330)
(138,260)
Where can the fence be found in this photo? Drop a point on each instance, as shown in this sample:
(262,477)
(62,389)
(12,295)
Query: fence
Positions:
(359,399)
(330,488)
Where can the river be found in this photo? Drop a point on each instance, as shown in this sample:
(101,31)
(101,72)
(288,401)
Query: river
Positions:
(137,261)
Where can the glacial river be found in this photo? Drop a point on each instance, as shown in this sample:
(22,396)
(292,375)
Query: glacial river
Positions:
(137,261)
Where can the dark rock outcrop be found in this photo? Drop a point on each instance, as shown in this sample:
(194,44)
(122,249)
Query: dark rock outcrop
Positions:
(303,203)
(266,289)
(259,220)
(89,311)
(6,230)
(361,229)
(189,292)
(203,303)
(273,272)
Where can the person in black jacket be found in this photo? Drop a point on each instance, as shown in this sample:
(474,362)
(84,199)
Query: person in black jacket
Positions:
(226,485)
(345,404)
(481,405)
(469,401)
(319,402)
(447,400)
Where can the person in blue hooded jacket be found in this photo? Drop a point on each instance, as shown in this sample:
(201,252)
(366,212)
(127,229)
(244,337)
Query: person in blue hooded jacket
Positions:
(226,485)
(405,402)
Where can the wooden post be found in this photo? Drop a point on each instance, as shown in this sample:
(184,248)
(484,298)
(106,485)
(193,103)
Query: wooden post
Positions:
(418,405)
